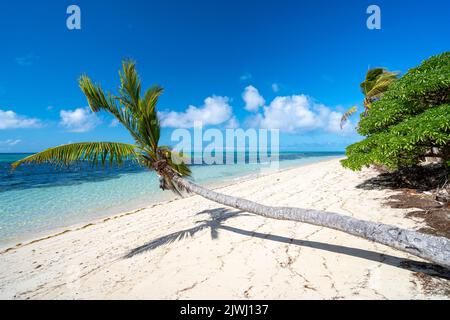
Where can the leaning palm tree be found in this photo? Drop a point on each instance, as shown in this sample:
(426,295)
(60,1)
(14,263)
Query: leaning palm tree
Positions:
(377,82)
(137,113)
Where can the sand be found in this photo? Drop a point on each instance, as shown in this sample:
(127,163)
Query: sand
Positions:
(193,248)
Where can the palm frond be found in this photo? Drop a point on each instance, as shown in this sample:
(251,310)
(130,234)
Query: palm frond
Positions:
(148,124)
(374,86)
(99,101)
(371,77)
(93,152)
(130,85)
(378,89)
(139,115)
(94,93)
(151,96)
(375,76)
(374,73)
(176,161)
(347,115)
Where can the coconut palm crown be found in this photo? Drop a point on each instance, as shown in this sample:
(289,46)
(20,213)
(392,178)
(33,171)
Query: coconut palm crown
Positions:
(136,111)
(373,87)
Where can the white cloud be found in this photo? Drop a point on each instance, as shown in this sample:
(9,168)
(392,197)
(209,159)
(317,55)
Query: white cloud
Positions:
(253,100)
(11,120)
(330,120)
(275,87)
(10,142)
(299,113)
(233,123)
(78,120)
(288,114)
(215,110)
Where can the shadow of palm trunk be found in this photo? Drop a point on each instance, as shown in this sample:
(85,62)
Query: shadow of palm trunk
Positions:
(218,216)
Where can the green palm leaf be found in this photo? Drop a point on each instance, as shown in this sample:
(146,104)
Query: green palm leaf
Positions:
(347,115)
(177,162)
(99,101)
(130,85)
(94,93)
(374,86)
(138,114)
(381,85)
(148,124)
(93,152)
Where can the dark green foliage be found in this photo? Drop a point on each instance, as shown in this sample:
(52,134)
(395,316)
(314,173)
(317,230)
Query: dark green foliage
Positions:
(410,122)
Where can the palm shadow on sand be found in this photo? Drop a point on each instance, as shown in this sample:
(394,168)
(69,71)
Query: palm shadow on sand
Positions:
(215,223)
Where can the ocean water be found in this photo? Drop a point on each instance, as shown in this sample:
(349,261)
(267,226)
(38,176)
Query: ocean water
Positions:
(37,199)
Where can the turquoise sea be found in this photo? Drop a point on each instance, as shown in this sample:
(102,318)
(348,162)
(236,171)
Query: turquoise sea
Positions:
(35,200)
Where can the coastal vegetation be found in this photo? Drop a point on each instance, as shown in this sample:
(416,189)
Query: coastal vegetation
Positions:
(373,87)
(137,112)
(409,123)
(407,135)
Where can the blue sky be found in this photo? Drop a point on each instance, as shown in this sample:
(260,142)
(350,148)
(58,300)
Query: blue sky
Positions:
(297,63)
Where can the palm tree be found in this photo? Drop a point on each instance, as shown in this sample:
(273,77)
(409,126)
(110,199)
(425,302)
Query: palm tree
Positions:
(138,114)
(374,86)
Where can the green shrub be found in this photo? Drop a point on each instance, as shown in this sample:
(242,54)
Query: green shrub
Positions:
(409,122)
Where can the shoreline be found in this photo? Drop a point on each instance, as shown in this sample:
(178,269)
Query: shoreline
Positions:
(192,248)
(23,241)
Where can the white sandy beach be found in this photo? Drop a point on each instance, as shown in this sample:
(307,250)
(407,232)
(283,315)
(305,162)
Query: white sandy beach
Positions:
(224,254)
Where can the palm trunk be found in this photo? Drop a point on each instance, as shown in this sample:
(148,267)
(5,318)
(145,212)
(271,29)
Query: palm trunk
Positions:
(428,247)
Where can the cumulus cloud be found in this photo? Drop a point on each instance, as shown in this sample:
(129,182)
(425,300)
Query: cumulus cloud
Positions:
(288,114)
(330,120)
(298,113)
(253,100)
(78,120)
(10,142)
(233,123)
(215,110)
(11,120)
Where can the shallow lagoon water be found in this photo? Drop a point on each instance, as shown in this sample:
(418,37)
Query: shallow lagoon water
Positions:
(37,199)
